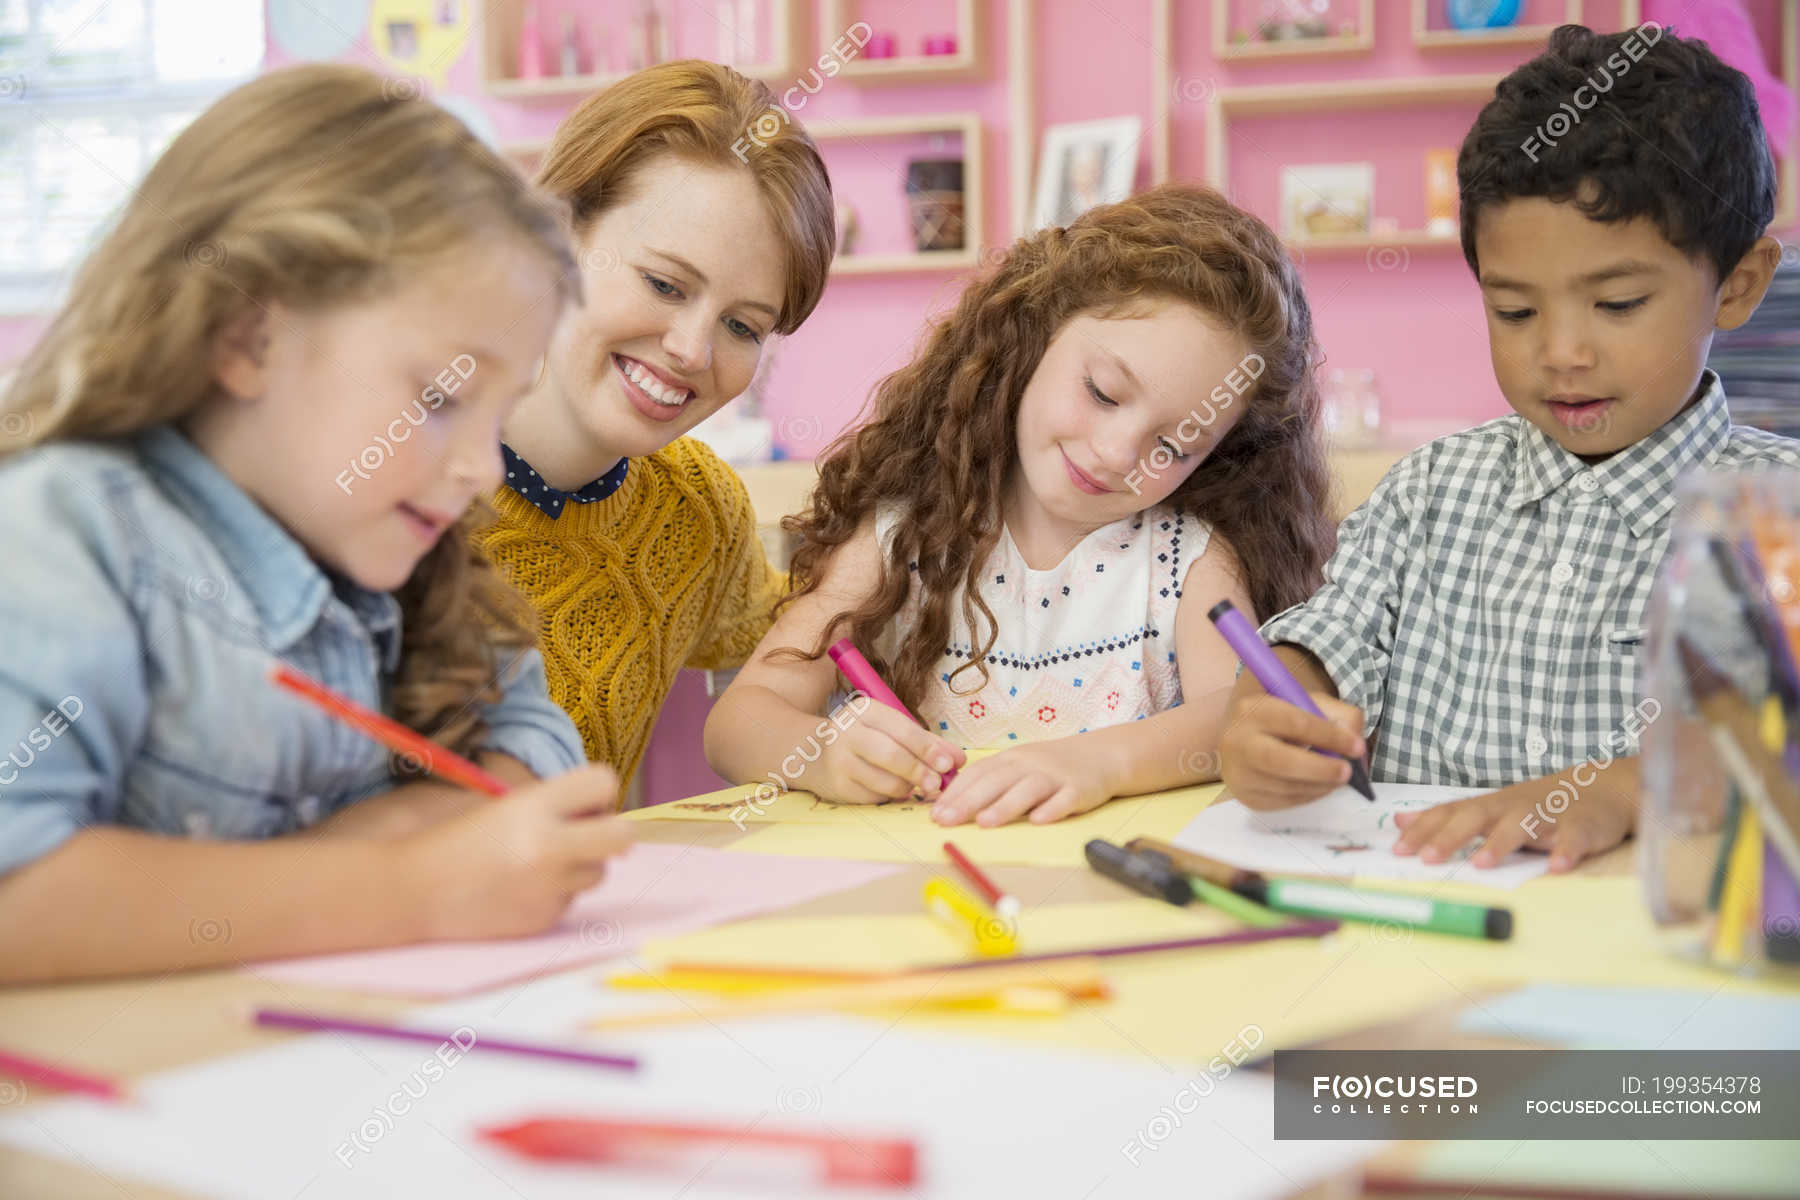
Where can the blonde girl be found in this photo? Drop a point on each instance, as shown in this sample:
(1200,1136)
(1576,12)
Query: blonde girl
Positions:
(259,431)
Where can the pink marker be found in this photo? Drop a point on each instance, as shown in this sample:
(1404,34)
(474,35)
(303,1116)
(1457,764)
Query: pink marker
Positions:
(863,678)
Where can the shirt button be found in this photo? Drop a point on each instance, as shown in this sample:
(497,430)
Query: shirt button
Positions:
(1561,573)
(1536,746)
(1586,481)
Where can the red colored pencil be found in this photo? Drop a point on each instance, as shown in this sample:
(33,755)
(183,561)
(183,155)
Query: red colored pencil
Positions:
(34,1070)
(836,1158)
(1004,904)
(435,759)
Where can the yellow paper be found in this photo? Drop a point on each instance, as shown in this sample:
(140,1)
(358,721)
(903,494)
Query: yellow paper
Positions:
(906,832)
(902,941)
(753,804)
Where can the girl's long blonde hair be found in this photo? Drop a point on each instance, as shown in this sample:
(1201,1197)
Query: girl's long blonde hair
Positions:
(311,186)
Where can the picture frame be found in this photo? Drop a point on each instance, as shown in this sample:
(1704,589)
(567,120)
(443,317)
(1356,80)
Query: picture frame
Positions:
(1327,200)
(1083,164)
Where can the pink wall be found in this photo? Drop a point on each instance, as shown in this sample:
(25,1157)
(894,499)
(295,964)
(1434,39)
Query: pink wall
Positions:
(1413,316)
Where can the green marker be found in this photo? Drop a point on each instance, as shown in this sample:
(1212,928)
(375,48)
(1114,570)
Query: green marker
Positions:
(1353,904)
(1315,899)
(1233,905)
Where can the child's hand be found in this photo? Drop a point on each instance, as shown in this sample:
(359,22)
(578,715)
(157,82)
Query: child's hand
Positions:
(1049,780)
(883,755)
(511,866)
(1598,818)
(1265,755)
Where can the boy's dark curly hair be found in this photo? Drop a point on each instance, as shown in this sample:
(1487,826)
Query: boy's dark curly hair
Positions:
(1635,124)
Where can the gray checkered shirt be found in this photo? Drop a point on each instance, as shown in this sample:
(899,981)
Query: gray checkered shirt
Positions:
(1485,606)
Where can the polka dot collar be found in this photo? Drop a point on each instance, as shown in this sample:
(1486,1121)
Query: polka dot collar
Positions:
(548,500)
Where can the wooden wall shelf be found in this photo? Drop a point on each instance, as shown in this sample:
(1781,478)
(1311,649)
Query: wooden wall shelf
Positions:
(967,127)
(967,63)
(1334,46)
(500,29)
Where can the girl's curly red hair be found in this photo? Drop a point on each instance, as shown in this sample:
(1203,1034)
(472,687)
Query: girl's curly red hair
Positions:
(941,443)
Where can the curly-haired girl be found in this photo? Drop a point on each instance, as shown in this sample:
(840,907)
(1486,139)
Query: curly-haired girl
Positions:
(1114,429)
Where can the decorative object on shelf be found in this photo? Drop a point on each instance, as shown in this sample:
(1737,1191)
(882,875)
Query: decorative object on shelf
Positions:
(739,21)
(1350,408)
(1481,14)
(1084,164)
(940,43)
(571,46)
(419,37)
(663,43)
(1291,20)
(531,43)
(845,214)
(649,42)
(882,45)
(934,198)
(1327,199)
(1440,193)
(403,40)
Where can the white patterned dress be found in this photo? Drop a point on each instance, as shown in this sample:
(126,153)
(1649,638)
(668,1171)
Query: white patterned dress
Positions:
(1086,644)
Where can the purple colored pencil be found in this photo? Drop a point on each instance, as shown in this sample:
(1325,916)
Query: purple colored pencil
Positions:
(313,1023)
(1316,928)
(1261,662)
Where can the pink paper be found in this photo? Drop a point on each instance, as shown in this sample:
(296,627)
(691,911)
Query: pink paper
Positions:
(654,890)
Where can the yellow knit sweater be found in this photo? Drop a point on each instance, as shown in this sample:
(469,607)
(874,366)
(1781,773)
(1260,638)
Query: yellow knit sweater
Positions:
(665,573)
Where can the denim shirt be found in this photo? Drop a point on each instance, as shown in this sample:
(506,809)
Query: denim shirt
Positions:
(145,598)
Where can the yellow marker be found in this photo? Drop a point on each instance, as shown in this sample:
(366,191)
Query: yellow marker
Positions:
(989,932)
(1740,905)
(1021,1001)
(1013,985)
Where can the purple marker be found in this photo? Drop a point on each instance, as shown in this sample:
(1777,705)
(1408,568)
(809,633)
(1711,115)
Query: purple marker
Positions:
(1780,907)
(1261,662)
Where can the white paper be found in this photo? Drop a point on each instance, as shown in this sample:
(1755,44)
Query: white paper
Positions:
(1344,833)
(348,1117)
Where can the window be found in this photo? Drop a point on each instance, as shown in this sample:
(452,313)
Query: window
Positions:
(90,93)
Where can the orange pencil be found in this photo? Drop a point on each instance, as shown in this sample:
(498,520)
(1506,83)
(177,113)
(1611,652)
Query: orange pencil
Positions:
(436,760)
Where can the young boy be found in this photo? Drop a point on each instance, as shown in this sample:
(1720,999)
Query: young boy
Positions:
(1482,614)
